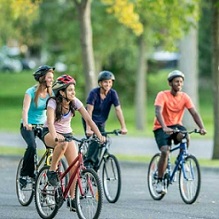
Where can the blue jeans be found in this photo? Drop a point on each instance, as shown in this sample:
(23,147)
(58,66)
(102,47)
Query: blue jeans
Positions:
(28,159)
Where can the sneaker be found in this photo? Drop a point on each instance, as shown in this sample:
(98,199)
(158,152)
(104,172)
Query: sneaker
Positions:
(160,188)
(71,203)
(23,181)
(52,178)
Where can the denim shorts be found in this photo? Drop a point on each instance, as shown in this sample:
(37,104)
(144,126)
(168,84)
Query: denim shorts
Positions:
(163,139)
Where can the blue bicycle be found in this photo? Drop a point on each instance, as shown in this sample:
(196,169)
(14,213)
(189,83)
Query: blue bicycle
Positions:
(188,170)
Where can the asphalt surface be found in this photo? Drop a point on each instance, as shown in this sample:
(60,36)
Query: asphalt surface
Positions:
(135,201)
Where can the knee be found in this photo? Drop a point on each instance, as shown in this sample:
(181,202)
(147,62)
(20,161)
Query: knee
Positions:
(165,152)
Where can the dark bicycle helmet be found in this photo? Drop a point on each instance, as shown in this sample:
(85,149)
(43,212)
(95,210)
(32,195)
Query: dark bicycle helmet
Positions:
(41,71)
(62,82)
(174,74)
(106,75)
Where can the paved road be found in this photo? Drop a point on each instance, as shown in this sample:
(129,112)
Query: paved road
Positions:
(201,148)
(134,203)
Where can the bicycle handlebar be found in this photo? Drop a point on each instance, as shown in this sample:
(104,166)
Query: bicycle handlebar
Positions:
(186,132)
(115,132)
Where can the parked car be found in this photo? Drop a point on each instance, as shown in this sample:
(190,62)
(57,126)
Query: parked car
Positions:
(8,64)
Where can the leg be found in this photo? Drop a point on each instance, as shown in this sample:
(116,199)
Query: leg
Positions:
(28,162)
(70,155)
(162,164)
(58,153)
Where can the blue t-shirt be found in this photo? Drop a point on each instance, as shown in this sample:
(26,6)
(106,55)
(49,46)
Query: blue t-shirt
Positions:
(102,107)
(36,114)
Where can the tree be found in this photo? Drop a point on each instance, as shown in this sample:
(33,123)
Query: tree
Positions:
(215,64)
(86,39)
(189,66)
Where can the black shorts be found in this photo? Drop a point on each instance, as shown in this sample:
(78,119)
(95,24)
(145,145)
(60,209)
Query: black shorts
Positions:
(46,131)
(163,139)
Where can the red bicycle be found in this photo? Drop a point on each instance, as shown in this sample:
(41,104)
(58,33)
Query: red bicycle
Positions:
(88,190)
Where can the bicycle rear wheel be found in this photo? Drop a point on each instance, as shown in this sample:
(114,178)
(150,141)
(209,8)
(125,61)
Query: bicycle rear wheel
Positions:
(111,178)
(25,193)
(89,195)
(45,196)
(153,176)
(190,180)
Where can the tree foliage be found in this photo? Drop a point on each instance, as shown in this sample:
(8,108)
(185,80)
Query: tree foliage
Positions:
(16,16)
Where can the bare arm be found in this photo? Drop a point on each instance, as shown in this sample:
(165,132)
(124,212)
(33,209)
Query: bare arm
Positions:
(121,119)
(90,109)
(26,107)
(159,116)
(50,121)
(91,123)
(198,120)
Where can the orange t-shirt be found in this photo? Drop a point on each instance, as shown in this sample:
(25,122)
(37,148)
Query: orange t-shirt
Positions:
(172,107)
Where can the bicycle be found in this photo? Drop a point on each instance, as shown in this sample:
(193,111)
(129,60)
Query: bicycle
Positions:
(111,173)
(88,189)
(189,172)
(25,193)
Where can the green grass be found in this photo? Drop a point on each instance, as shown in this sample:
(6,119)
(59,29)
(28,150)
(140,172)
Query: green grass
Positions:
(13,87)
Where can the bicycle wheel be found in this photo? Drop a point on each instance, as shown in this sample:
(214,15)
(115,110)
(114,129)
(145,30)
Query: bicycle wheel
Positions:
(88,195)
(190,180)
(153,176)
(111,178)
(25,194)
(45,196)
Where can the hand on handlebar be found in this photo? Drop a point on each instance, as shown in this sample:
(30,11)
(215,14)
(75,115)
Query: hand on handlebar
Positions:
(123,131)
(202,131)
(168,130)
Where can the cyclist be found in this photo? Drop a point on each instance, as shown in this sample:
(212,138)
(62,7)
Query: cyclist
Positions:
(169,110)
(99,102)
(60,110)
(34,113)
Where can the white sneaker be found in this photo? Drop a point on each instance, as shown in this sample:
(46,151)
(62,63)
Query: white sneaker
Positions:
(160,188)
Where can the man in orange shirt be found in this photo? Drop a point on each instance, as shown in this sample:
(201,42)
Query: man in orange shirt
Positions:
(169,110)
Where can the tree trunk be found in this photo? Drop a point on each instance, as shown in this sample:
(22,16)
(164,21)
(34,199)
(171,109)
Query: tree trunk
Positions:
(215,70)
(140,92)
(188,65)
(84,14)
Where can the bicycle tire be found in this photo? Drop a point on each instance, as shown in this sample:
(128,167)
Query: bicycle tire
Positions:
(152,177)
(189,186)
(111,178)
(45,196)
(24,195)
(88,195)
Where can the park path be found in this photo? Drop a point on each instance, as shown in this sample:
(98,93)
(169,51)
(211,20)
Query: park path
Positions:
(124,145)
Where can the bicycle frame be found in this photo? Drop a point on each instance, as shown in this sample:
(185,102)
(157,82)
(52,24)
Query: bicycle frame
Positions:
(46,155)
(78,165)
(179,161)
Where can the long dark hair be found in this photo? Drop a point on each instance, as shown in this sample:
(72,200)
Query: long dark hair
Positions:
(59,99)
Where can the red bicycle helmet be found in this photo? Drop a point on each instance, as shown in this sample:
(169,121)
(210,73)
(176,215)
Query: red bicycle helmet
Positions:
(62,82)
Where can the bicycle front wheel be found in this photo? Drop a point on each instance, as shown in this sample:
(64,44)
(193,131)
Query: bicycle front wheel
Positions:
(190,180)
(24,193)
(152,177)
(45,196)
(89,195)
(111,178)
